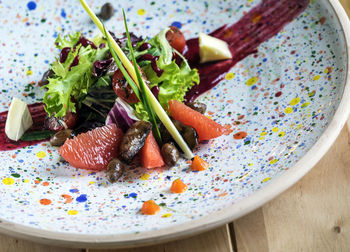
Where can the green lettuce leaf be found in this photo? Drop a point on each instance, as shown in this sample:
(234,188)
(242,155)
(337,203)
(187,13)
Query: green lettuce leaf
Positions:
(70,85)
(175,80)
(140,111)
(67,41)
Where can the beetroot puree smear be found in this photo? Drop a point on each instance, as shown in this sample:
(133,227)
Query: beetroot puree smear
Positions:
(243,38)
(38,114)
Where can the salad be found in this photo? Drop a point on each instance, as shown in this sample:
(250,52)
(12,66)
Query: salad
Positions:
(114,101)
(103,118)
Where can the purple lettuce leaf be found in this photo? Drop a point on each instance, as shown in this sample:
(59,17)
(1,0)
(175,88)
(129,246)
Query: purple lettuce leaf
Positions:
(121,114)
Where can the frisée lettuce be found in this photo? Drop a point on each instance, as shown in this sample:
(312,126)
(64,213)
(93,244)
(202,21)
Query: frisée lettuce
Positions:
(174,81)
(72,73)
(82,66)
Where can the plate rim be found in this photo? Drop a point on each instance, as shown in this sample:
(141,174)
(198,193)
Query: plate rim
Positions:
(217,218)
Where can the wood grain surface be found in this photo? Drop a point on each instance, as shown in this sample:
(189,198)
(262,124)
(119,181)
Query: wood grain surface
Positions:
(214,241)
(313,215)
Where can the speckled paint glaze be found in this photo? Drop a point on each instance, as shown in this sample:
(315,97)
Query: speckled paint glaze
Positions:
(277,102)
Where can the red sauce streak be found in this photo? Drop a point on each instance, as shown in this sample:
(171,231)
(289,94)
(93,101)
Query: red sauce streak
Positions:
(38,114)
(257,26)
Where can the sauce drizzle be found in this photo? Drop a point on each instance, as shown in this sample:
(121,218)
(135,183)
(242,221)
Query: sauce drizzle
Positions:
(257,26)
(38,114)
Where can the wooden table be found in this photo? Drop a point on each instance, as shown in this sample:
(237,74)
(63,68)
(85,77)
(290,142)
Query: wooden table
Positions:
(313,215)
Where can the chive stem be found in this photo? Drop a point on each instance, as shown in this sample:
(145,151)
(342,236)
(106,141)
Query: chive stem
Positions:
(162,115)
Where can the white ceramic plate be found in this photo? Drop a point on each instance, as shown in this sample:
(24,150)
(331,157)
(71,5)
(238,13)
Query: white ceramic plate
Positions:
(290,97)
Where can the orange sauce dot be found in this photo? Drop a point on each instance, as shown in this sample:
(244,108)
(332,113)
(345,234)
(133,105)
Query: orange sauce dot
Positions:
(240,135)
(45,202)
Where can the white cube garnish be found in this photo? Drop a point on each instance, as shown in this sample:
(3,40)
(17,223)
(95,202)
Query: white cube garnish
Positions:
(19,119)
(212,49)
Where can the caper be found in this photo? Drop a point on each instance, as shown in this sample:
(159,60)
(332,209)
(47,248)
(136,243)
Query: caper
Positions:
(115,170)
(107,11)
(170,154)
(188,133)
(197,106)
(60,137)
(45,79)
(133,140)
(190,136)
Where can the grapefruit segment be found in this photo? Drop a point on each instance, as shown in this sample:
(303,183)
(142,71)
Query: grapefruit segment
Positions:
(206,128)
(93,149)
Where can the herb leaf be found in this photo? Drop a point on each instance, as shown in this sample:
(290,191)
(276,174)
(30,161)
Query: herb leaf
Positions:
(176,79)
(121,67)
(145,99)
(71,81)
(37,135)
(154,102)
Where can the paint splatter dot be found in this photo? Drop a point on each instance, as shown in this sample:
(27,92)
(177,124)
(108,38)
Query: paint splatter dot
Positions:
(278,94)
(8,181)
(145,176)
(141,12)
(63,13)
(288,110)
(15,175)
(133,195)
(29,72)
(82,198)
(317,77)
(256,18)
(305,104)
(25,181)
(294,101)
(72,212)
(273,161)
(252,81)
(275,129)
(176,24)
(68,198)
(31,5)
(45,202)
(45,184)
(167,215)
(265,180)
(264,133)
(229,76)
(312,93)
(282,134)
(41,154)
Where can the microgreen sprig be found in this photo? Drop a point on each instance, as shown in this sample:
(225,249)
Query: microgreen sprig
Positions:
(153,101)
(141,95)
(121,67)
(144,99)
